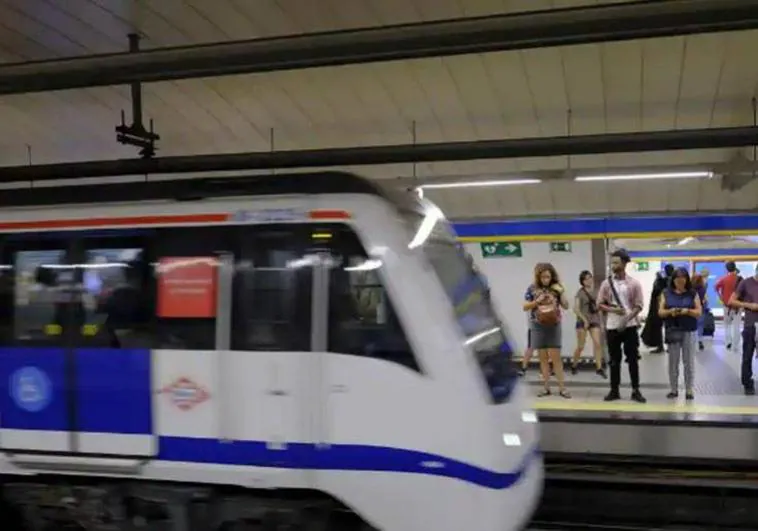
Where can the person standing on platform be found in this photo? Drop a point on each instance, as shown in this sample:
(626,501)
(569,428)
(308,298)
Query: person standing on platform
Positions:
(652,333)
(725,287)
(620,297)
(700,285)
(680,309)
(587,323)
(745,297)
(544,300)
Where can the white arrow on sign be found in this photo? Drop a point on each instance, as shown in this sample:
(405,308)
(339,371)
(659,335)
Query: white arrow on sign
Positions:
(511,248)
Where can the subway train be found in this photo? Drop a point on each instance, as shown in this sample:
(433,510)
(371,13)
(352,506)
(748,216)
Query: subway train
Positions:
(307,349)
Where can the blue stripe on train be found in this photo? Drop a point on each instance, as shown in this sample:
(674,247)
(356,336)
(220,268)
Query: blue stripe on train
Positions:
(347,457)
(617,225)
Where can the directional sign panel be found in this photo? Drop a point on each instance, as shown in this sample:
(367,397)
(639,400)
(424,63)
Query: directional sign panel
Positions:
(560,247)
(501,249)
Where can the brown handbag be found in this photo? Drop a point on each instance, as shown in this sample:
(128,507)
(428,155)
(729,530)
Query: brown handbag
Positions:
(547,314)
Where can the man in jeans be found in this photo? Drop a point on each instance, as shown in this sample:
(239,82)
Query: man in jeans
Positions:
(746,297)
(725,288)
(620,297)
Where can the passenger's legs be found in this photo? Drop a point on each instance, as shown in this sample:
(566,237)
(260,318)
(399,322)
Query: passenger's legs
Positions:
(688,361)
(555,358)
(631,343)
(674,354)
(581,339)
(614,339)
(544,370)
(748,348)
(597,350)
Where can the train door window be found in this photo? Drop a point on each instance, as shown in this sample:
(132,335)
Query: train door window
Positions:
(184,282)
(362,319)
(272,290)
(30,287)
(114,275)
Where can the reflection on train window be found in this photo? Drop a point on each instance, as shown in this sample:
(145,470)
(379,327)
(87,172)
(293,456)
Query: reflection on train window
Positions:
(37,293)
(114,295)
(272,292)
(362,320)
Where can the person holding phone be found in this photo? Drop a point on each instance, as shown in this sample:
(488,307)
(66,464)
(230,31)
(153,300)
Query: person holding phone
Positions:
(680,308)
(544,300)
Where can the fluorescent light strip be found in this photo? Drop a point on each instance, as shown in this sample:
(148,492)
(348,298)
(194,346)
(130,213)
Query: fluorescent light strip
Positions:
(647,176)
(474,184)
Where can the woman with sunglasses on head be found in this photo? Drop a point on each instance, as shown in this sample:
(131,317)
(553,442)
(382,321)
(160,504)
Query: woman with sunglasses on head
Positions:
(680,309)
(587,323)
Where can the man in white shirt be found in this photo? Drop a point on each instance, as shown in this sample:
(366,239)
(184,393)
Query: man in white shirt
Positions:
(620,297)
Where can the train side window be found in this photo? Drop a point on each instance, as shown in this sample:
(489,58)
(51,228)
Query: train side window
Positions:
(30,293)
(272,290)
(362,319)
(184,282)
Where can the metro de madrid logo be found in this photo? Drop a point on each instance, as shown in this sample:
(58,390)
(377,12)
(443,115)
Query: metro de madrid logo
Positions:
(31,389)
(185,394)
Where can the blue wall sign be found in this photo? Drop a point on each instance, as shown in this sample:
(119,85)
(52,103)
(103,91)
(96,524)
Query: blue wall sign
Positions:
(30,389)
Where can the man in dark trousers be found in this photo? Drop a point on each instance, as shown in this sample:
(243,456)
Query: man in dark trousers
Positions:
(620,297)
(746,298)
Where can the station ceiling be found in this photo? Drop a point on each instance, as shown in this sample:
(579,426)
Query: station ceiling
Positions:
(697,81)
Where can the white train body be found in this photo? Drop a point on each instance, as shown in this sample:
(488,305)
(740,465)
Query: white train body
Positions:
(399,423)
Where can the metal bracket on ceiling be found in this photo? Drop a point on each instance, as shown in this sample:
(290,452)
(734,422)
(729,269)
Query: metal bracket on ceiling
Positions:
(135,134)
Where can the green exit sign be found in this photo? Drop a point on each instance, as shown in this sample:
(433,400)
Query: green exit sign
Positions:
(643,266)
(560,247)
(501,249)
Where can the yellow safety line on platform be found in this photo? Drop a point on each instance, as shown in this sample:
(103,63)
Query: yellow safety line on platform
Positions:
(632,407)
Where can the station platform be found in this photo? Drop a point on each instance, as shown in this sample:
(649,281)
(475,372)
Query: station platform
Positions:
(721,423)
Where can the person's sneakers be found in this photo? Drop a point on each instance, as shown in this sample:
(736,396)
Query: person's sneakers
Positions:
(637,397)
(750,390)
(728,346)
(658,350)
(672,395)
(690,395)
(601,372)
(700,345)
(613,395)
(574,369)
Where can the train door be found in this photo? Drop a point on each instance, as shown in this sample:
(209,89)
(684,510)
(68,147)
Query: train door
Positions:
(70,387)
(111,354)
(270,339)
(35,405)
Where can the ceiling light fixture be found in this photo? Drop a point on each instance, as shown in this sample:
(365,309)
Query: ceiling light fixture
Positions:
(476,184)
(646,176)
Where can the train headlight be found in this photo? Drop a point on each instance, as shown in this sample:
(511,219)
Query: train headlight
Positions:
(511,439)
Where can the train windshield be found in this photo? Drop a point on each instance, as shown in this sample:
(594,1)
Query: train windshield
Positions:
(469,296)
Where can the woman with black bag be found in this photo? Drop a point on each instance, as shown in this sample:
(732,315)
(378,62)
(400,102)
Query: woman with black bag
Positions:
(680,309)
(544,300)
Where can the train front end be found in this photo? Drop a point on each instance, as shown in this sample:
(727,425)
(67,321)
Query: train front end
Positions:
(498,430)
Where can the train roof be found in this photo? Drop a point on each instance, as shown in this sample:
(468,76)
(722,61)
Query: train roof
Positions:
(195,189)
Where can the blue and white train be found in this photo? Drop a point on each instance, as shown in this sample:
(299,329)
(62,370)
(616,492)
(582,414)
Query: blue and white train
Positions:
(254,346)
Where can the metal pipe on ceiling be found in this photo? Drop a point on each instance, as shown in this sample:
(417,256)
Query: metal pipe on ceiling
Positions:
(535,29)
(394,154)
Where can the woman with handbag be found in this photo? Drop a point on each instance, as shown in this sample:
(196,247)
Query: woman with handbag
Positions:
(680,309)
(544,300)
(587,323)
